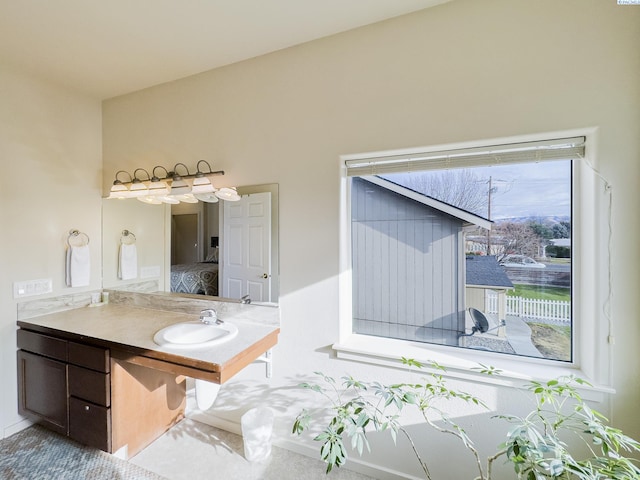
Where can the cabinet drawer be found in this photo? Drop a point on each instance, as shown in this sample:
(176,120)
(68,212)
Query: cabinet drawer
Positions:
(90,424)
(89,385)
(42,345)
(95,358)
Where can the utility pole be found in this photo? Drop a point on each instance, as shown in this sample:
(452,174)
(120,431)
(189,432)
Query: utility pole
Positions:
(489,217)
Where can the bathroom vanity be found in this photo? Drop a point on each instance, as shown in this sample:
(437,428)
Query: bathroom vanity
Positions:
(97,376)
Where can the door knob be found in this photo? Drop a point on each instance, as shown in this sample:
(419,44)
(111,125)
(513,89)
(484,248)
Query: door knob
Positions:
(264,275)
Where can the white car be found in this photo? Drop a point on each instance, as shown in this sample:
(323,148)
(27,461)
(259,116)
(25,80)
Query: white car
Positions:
(520,261)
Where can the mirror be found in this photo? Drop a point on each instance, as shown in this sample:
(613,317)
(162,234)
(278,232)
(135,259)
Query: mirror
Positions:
(196,248)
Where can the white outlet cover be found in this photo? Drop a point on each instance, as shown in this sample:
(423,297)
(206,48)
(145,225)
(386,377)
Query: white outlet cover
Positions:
(30,288)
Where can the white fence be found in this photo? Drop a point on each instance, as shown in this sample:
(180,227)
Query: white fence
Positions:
(552,310)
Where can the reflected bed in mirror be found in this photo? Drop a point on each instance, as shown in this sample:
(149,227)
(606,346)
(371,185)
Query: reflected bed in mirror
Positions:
(224,249)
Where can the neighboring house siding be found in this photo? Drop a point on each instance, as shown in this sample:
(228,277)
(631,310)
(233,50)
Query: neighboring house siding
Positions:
(407,266)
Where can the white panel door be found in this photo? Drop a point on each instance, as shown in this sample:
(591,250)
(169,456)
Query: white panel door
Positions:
(246,248)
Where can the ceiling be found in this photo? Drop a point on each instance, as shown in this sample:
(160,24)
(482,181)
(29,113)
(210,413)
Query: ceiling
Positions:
(112,47)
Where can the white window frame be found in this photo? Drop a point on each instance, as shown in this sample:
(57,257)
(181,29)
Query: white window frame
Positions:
(592,334)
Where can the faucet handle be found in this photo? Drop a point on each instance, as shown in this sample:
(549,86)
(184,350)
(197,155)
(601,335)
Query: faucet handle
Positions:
(208,316)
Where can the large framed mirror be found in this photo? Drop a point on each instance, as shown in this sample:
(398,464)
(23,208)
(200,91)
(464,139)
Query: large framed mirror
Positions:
(224,249)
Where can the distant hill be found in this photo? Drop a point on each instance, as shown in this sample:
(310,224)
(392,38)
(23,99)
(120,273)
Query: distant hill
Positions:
(549,221)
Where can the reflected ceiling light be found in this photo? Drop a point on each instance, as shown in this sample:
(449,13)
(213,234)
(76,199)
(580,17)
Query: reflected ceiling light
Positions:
(207,197)
(119,190)
(186,198)
(169,199)
(150,199)
(228,193)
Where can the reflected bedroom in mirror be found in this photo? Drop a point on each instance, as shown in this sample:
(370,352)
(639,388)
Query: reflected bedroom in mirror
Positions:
(226,249)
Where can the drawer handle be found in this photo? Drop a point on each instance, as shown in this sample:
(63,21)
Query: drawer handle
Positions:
(86,407)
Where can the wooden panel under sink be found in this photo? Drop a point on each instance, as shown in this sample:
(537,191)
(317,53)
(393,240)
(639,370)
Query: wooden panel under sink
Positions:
(145,403)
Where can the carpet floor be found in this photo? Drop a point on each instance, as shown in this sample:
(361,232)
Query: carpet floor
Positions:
(38,454)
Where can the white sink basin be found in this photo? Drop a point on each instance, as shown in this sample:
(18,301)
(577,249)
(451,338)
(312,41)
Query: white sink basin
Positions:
(195,334)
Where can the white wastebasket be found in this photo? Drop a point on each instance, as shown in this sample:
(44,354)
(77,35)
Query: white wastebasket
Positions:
(257,426)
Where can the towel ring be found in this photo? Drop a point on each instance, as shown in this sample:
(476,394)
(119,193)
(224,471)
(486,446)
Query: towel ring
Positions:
(81,237)
(128,238)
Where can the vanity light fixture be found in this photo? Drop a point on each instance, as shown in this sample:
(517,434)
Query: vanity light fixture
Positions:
(179,186)
(158,186)
(119,190)
(202,188)
(138,188)
(174,187)
(158,189)
(201,183)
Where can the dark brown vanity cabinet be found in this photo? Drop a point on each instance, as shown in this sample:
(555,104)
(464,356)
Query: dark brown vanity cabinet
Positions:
(65,386)
(102,397)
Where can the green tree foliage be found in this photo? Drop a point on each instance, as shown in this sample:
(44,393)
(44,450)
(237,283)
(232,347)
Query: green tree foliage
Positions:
(561,230)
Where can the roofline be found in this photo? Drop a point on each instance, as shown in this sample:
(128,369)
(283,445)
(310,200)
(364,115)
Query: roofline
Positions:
(430,202)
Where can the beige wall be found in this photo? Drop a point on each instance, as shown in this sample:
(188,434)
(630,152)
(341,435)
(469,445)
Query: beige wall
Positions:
(467,70)
(50,152)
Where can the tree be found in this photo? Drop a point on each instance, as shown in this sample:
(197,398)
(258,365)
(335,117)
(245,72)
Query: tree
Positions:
(561,230)
(461,188)
(543,231)
(517,238)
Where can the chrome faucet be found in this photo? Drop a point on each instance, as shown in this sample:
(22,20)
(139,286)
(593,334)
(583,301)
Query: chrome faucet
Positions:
(209,316)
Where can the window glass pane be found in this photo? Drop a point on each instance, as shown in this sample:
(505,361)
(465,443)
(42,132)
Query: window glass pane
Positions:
(427,268)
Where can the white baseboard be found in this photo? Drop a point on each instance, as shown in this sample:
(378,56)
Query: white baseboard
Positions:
(353,464)
(16,427)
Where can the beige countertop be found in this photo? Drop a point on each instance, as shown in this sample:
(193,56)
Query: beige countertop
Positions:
(129,330)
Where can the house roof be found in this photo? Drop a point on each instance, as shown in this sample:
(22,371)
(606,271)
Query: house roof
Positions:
(485,271)
(467,217)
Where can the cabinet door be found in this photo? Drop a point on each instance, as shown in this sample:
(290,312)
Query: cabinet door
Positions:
(42,390)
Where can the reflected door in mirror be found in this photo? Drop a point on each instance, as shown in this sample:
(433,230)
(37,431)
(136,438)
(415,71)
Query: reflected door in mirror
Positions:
(247,248)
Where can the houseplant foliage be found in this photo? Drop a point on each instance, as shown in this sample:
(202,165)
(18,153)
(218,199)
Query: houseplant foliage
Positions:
(533,444)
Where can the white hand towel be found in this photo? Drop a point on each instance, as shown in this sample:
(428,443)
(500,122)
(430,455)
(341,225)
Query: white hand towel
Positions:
(67,268)
(78,266)
(128,265)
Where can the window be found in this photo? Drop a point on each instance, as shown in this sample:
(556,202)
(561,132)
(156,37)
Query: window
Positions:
(468,248)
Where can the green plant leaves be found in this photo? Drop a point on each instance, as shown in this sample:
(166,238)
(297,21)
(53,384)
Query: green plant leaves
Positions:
(533,444)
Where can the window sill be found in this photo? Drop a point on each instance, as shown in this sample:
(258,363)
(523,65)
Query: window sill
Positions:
(460,363)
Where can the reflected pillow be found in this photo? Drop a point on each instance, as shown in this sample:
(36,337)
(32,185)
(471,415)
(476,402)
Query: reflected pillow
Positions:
(213,256)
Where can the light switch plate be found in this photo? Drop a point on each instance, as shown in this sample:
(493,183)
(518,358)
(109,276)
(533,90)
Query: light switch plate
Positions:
(30,288)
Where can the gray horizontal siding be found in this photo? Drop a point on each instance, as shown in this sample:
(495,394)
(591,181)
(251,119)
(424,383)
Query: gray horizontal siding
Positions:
(406,267)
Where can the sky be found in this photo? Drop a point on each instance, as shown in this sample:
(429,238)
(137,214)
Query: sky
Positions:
(533,189)
(540,189)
